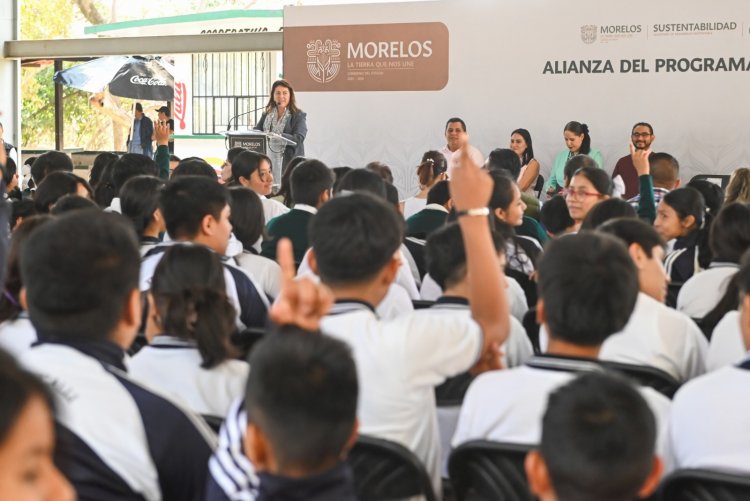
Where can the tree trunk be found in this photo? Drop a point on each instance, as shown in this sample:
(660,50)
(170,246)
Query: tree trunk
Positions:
(108,104)
(90,12)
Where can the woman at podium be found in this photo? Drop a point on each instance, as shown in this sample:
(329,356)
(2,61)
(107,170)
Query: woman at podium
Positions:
(283,117)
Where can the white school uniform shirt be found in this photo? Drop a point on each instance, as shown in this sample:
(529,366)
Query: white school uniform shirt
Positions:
(17,336)
(431,291)
(266,272)
(709,422)
(702,292)
(399,363)
(452,157)
(727,346)
(412,205)
(660,337)
(508,406)
(173,367)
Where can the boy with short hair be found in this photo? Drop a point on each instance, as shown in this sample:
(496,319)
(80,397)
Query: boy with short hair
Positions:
(311,185)
(121,441)
(655,335)
(597,443)
(196,211)
(355,240)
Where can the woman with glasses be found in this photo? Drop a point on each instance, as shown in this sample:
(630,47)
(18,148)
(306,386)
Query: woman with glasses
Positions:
(588,186)
(520,143)
(577,142)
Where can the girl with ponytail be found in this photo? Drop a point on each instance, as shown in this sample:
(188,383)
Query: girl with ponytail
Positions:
(432,169)
(577,142)
(191,357)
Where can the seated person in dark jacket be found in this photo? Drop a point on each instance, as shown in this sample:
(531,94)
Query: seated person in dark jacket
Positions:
(311,185)
(434,214)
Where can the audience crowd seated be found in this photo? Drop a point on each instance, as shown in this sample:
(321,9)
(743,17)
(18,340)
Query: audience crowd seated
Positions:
(196,336)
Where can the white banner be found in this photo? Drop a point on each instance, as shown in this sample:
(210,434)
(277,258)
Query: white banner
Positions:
(681,65)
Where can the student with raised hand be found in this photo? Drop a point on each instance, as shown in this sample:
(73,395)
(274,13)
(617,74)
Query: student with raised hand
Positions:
(729,238)
(27,438)
(191,358)
(355,241)
(588,286)
(708,426)
(139,201)
(122,441)
(196,211)
(655,335)
(572,463)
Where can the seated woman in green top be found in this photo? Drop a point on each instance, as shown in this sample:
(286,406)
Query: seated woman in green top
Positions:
(578,142)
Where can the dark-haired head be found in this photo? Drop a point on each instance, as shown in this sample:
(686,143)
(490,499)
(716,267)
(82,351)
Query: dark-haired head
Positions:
(581,416)
(361,180)
(588,285)
(588,187)
(391,194)
(381,170)
(339,173)
(311,183)
(301,402)
(190,299)
(100,162)
(253,170)
(354,238)
(248,220)
(729,236)
(505,201)
(185,203)
(81,277)
(194,166)
(439,194)
(283,84)
(285,189)
(20,210)
(680,212)
(48,162)
(712,193)
(665,170)
(139,202)
(503,159)
(432,168)
(555,217)
(575,164)
(446,255)
(577,138)
(57,184)
(131,165)
(606,210)
(72,202)
(10,303)
(525,136)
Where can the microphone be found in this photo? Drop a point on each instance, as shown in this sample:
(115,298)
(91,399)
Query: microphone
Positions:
(229,124)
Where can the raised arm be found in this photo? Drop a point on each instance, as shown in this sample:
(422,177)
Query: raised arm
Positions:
(646,201)
(470,189)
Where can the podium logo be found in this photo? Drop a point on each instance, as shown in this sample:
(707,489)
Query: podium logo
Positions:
(323,59)
(588,33)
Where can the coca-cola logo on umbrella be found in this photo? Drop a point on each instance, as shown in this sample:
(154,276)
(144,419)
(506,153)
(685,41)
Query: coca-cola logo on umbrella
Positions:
(140,80)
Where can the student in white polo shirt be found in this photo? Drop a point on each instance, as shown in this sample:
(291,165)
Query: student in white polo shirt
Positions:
(655,335)
(708,427)
(191,358)
(588,287)
(729,238)
(355,240)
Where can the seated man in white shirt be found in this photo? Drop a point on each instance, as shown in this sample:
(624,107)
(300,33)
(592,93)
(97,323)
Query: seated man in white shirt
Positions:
(455,128)
(655,335)
(708,426)
(572,462)
(355,240)
(588,287)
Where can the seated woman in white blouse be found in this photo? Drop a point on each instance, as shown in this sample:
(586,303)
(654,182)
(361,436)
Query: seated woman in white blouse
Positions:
(191,358)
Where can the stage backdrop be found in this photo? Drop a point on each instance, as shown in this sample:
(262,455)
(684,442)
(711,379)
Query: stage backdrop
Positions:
(379,81)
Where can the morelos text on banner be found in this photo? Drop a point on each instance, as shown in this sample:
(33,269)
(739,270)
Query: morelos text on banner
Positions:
(370,57)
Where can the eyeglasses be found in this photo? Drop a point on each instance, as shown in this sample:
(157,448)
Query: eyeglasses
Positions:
(579,194)
(641,134)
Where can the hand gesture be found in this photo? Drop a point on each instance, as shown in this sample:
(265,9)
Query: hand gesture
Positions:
(161,133)
(301,302)
(470,186)
(640,160)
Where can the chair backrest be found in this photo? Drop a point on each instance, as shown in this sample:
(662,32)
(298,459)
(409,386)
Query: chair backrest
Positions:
(484,470)
(385,470)
(539,185)
(645,375)
(213,422)
(532,329)
(416,248)
(705,485)
(451,392)
(719,179)
(421,304)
